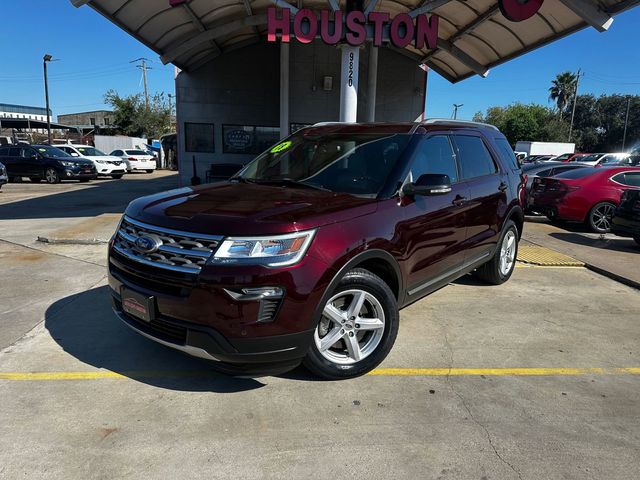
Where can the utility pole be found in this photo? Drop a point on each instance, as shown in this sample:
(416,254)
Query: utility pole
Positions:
(456,106)
(45,59)
(575,98)
(626,122)
(144,67)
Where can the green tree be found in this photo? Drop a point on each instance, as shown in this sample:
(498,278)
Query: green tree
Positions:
(562,90)
(132,117)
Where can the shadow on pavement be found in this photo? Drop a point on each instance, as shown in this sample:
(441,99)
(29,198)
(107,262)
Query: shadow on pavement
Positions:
(85,327)
(96,198)
(618,244)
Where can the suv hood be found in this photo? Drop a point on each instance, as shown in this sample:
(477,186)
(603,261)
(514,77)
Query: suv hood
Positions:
(247,209)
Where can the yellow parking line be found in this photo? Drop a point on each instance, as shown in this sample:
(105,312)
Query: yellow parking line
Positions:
(381,372)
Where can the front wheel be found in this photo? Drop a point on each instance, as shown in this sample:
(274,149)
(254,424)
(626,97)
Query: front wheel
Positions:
(358,327)
(499,269)
(599,218)
(51,176)
(149,171)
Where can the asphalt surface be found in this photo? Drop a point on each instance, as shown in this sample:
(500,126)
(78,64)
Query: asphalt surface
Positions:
(535,379)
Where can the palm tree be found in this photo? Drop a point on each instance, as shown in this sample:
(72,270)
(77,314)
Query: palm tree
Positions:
(562,90)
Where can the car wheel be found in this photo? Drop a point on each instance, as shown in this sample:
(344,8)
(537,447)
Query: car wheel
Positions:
(116,177)
(51,176)
(149,171)
(34,180)
(499,269)
(357,329)
(599,218)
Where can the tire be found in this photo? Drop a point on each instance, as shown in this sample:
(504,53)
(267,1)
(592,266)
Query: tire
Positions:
(51,176)
(150,171)
(599,218)
(495,271)
(35,180)
(637,240)
(117,177)
(351,337)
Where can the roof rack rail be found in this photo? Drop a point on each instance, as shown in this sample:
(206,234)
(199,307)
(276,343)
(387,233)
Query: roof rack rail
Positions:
(446,121)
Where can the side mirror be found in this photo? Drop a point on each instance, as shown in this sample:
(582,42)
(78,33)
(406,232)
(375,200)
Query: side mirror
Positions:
(428,184)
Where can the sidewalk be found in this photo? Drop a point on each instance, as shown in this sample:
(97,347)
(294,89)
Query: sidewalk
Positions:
(615,257)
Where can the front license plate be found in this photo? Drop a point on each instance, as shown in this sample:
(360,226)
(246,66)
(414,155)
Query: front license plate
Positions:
(139,305)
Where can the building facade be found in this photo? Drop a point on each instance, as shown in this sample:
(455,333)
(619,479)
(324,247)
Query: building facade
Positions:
(100,118)
(8,110)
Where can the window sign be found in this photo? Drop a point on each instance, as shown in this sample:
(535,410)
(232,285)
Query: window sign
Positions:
(248,139)
(198,137)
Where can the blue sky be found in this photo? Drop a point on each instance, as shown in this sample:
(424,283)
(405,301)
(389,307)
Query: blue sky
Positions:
(95,57)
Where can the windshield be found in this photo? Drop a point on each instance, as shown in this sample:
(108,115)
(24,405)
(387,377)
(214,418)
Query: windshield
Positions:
(91,152)
(612,159)
(358,164)
(589,158)
(51,151)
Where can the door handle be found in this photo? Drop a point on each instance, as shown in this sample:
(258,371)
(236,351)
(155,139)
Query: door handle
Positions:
(502,187)
(459,200)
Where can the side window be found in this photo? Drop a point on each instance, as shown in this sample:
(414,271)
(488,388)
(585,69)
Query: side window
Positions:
(508,157)
(475,159)
(630,178)
(14,152)
(4,152)
(118,153)
(435,156)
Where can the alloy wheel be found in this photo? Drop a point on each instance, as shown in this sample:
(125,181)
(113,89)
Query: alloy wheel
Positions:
(601,217)
(507,253)
(51,176)
(351,327)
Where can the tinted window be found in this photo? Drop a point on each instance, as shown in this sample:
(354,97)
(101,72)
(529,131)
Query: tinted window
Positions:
(4,152)
(14,152)
(117,153)
(435,156)
(545,173)
(579,173)
(475,159)
(630,178)
(508,157)
(136,152)
(54,152)
(90,151)
(563,157)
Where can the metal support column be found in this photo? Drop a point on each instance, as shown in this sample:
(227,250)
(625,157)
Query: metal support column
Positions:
(349,84)
(284,89)
(372,83)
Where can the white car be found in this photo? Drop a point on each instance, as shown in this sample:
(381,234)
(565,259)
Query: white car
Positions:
(136,160)
(106,165)
(612,159)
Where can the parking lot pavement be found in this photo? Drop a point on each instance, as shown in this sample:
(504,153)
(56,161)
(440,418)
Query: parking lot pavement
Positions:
(84,397)
(609,254)
(535,379)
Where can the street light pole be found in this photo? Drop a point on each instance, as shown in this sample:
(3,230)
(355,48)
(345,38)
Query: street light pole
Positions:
(456,106)
(45,59)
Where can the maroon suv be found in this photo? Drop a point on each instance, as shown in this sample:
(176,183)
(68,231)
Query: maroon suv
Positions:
(308,253)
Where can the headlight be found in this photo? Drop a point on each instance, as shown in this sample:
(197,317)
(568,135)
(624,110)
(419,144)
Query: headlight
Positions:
(102,162)
(67,164)
(275,251)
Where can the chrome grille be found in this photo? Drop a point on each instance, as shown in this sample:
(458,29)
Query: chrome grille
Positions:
(178,251)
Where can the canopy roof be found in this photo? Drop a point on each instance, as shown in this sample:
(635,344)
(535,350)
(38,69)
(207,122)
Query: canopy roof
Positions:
(474,35)
(8,122)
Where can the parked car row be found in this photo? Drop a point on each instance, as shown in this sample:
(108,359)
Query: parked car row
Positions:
(583,194)
(70,162)
(592,159)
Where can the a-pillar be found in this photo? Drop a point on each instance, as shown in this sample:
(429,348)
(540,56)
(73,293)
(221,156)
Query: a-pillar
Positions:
(349,83)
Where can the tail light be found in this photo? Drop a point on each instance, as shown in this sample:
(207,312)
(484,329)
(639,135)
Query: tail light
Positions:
(132,159)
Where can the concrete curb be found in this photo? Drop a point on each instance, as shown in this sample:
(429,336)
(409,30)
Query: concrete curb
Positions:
(72,241)
(613,276)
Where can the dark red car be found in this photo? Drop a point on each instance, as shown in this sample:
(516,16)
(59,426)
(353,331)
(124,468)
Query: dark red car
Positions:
(588,195)
(570,157)
(308,253)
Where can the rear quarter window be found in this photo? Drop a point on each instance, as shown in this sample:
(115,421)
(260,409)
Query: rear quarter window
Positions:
(632,179)
(506,153)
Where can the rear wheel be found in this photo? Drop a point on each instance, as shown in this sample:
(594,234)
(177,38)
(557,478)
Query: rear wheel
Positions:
(149,171)
(599,218)
(51,176)
(358,327)
(499,269)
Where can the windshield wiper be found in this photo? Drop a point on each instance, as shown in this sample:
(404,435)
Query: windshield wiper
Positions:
(242,180)
(291,182)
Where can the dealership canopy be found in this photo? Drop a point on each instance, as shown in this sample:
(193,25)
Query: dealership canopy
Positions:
(473,35)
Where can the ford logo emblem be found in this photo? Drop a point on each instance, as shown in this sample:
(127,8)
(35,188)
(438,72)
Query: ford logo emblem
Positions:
(148,243)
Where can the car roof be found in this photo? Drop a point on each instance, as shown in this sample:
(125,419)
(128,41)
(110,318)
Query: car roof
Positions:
(325,128)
